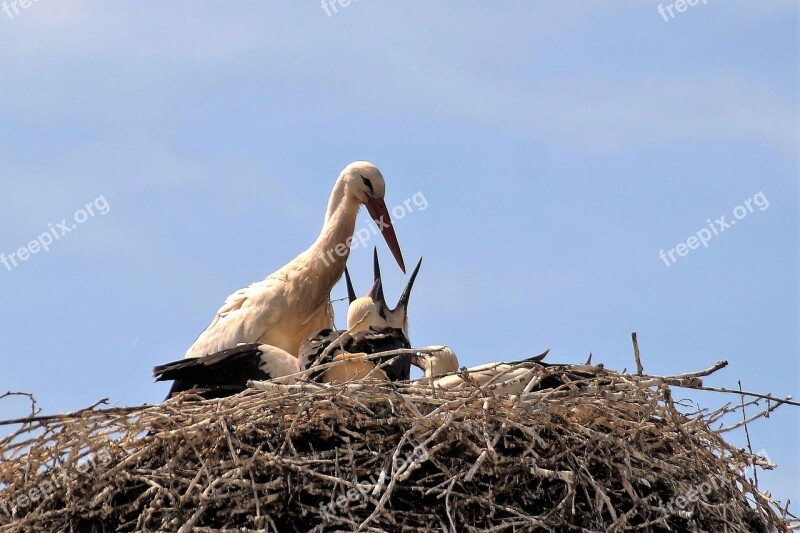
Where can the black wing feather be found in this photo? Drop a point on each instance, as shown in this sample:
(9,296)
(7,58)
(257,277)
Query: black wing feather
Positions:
(220,374)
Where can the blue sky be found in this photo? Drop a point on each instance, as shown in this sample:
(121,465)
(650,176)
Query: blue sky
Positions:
(560,146)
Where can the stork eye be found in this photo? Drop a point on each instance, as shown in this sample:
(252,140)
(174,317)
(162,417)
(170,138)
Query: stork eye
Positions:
(368,184)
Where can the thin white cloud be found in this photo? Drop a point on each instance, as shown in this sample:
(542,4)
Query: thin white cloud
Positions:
(387,68)
(601,115)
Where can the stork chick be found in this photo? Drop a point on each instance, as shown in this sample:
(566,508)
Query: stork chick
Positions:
(435,362)
(291,304)
(439,363)
(371,311)
(369,330)
(397,317)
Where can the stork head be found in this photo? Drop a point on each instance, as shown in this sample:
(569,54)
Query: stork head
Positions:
(363,313)
(372,311)
(441,360)
(397,317)
(365,183)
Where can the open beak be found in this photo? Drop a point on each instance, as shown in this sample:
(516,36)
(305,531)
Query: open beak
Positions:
(376,290)
(376,274)
(404,298)
(380,214)
(416,360)
(351,293)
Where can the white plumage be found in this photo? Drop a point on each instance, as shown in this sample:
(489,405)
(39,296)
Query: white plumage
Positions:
(228,371)
(294,302)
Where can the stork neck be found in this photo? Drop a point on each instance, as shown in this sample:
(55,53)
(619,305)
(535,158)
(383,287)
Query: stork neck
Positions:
(319,268)
(337,197)
(331,247)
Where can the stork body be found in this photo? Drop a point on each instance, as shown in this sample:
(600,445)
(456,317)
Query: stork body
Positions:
(294,302)
(441,364)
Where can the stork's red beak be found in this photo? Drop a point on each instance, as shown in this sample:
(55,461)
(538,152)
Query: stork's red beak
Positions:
(380,214)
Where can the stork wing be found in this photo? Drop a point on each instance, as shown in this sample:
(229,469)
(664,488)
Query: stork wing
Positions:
(220,367)
(228,371)
(247,315)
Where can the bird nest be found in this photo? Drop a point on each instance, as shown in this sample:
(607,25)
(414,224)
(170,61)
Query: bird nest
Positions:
(594,451)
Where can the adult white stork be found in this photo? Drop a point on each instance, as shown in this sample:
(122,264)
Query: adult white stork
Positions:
(440,365)
(227,372)
(291,304)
